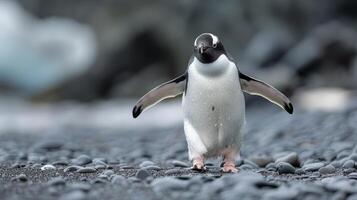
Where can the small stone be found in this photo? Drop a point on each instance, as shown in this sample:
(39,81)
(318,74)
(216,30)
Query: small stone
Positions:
(271,166)
(50,145)
(261,161)
(87,170)
(74,195)
(108,172)
(285,168)
(146,164)
(352,175)
(117,179)
(178,163)
(57,181)
(313,166)
(348,164)
(82,160)
(142,174)
(126,167)
(48,167)
(21,177)
(291,158)
(354,157)
(60,162)
(153,167)
(98,161)
(328,169)
(72,168)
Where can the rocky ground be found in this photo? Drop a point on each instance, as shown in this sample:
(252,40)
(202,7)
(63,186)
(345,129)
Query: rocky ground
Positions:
(309,155)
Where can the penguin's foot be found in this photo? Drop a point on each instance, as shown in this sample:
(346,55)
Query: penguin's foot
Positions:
(229,161)
(198,165)
(229,167)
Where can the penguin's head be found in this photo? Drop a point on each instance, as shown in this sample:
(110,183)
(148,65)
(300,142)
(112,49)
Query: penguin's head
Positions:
(208,48)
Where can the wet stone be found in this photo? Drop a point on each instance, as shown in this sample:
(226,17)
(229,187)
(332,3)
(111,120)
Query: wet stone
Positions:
(285,168)
(21,177)
(87,170)
(56,181)
(72,168)
(142,174)
(328,169)
(313,166)
(146,164)
(348,164)
(291,158)
(82,160)
(48,167)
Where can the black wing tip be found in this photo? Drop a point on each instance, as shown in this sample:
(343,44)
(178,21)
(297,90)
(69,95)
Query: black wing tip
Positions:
(136,111)
(289,108)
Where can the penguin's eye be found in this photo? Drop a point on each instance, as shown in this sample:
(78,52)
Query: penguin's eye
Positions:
(214,45)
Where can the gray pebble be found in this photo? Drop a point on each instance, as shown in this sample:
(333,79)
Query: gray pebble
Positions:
(117,179)
(285,168)
(74,195)
(82,160)
(352,175)
(348,164)
(100,167)
(21,177)
(328,169)
(60,162)
(353,157)
(56,181)
(166,184)
(48,167)
(146,164)
(152,167)
(246,167)
(251,163)
(178,163)
(271,166)
(87,170)
(291,158)
(313,166)
(261,161)
(72,168)
(142,174)
(108,172)
(99,161)
(342,154)
(50,145)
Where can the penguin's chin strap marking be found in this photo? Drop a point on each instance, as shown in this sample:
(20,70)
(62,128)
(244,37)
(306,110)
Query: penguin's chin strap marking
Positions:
(256,87)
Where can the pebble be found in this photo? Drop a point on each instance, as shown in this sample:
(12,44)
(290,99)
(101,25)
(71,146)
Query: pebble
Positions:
(348,164)
(353,157)
(246,167)
(251,163)
(74,195)
(285,168)
(313,166)
(100,167)
(178,163)
(99,161)
(271,166)
(142,174)
(328,169)
(60,162)
(108,172)
(146,164)
(352,175)
(21,177)
(72,168)
(50,145)
(291,158)
(56,181)
(86,170)
(261,161)
(82,160)
(152,167)
(48,167)
(117,179)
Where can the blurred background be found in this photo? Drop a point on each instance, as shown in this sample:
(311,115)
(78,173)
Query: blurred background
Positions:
(87,62)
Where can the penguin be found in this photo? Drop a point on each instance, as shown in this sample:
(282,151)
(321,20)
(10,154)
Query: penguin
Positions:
(213,102)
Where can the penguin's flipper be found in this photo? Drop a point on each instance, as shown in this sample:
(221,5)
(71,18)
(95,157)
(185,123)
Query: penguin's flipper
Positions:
(256,87)
(166,90)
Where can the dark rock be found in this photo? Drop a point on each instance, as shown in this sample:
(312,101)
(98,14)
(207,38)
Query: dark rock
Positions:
(142,174)
(285,168)
(87,170)
(21,177)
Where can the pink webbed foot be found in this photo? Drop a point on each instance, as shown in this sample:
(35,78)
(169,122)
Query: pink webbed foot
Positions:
(198,164)
(229,162)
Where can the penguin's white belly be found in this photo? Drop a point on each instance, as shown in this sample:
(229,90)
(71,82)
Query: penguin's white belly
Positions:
(214,108)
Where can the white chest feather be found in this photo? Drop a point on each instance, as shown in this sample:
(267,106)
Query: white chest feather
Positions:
(214,107)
